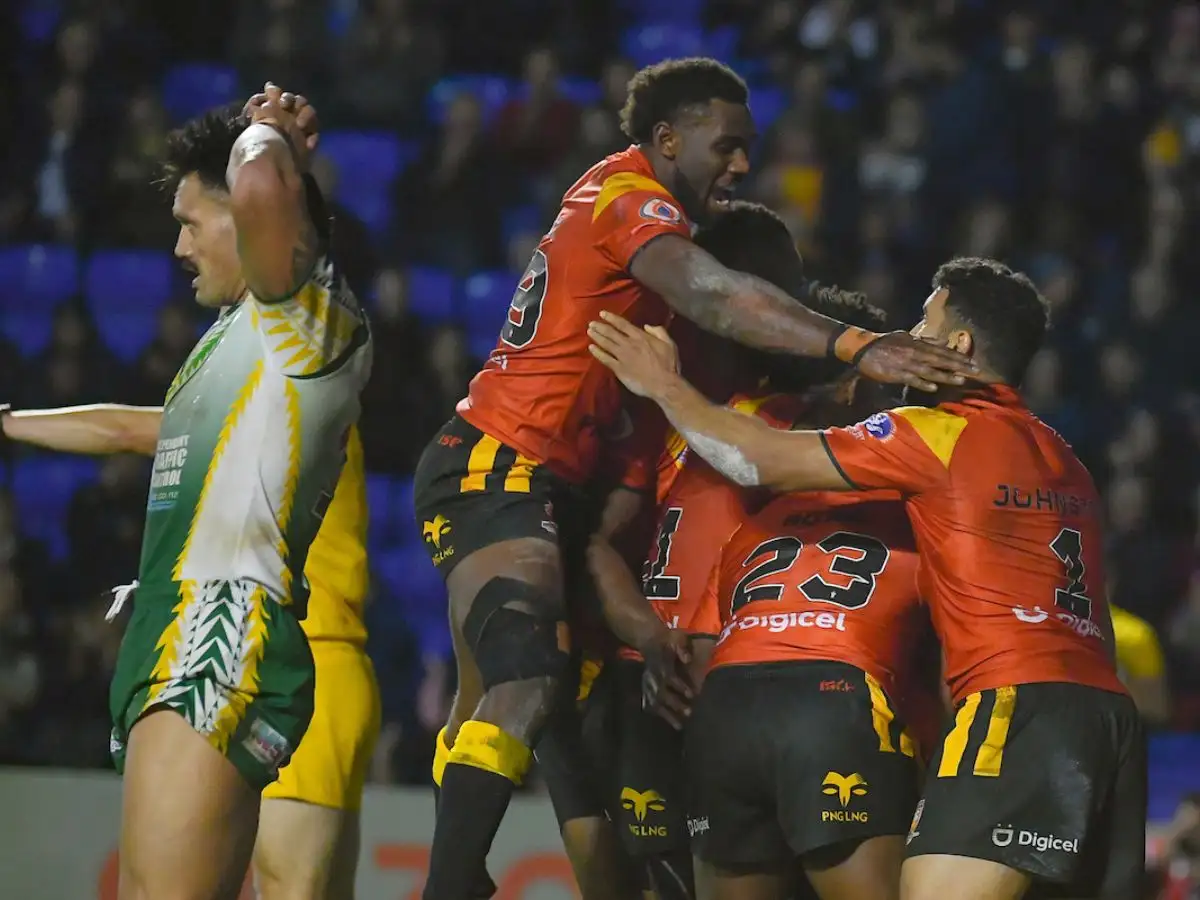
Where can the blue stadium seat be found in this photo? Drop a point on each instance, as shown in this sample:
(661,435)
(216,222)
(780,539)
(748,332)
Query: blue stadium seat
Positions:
(486,297)
(29,330)
(42,490)
(431,294)
(522,219)
(129,281)
(191,88)
(127,334)
(370,205)
(767,104)
(409,578)
(583,91)
(374,158)
(492,91)
(380,510)
(649,44)
(39,21)
(402,506)
(481,343)
(37,275)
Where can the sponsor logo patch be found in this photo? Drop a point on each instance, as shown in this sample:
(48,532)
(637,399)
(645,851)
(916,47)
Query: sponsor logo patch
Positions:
(845,788)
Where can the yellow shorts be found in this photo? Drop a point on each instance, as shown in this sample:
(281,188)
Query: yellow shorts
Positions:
(330,766)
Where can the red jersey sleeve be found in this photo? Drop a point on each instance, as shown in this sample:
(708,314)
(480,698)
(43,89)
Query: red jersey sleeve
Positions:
(906,449)
(630,210)
(707,617)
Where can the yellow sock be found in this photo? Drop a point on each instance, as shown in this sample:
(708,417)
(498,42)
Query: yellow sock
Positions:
(441,756)
(483,745)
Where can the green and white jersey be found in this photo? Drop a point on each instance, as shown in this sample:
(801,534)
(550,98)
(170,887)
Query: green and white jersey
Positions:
(252,443)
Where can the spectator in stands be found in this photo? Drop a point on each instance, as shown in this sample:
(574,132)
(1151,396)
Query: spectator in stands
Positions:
(285,41)
(108,518)
(386,64)
(353,244)
(136,216)
(74,341)
(157,367)
(537,128)
(599,136)
(447,202)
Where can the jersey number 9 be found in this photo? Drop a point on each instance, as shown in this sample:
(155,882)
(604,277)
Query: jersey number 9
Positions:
(526,307)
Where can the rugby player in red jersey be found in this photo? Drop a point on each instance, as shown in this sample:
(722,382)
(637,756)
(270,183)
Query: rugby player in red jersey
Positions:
(495,486)
(1041,780)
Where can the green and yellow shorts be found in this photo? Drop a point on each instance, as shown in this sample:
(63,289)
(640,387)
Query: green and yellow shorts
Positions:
(228,658)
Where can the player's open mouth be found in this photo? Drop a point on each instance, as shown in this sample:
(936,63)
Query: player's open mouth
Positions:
(722,197)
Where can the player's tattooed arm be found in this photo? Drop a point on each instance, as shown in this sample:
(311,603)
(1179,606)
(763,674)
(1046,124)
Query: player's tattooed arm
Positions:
(754,312)
(99,429)
(743,448)
(278,243)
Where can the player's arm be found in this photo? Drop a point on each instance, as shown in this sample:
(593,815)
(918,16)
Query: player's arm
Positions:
(743,448)
(278,243)
(754,312)
(99,429)
(1140,657)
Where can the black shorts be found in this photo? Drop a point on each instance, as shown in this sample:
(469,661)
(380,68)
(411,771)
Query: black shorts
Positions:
(787,758)
(1049,779)
(471,491)
(651,805)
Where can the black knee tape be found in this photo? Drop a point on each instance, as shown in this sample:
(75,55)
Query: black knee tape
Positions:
(512,629)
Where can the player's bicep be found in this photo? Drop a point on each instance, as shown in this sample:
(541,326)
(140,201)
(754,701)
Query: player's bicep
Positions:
(906,449)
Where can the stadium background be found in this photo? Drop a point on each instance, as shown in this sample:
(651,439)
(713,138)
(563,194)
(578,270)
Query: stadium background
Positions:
(1063,137)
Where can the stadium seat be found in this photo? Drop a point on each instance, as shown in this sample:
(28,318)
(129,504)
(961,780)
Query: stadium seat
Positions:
(481,342)
(42,490)
(583,91)
(402,508)
(723,42)
(39,21)
(380,510)
(373,157)
(409,578)
(658,12)
(128,281)
(767,104)
(127,334)
(37,275)
(492,91)
(431,294)
(649,44)
(29,330)
(191,88)
(370,205)
(522,220)
(486,297)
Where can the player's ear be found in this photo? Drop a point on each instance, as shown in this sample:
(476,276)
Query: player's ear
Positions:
(666,139)
(961,341)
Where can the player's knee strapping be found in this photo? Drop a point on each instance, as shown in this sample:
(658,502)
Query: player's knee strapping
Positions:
(516,631)
(482,745)
(441,756)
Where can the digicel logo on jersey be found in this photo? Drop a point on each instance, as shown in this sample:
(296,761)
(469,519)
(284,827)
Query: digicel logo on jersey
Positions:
(778,622)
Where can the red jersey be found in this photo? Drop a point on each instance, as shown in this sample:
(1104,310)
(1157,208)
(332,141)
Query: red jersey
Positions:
(541,392)
(1007,522)
(698,511)
(818,576)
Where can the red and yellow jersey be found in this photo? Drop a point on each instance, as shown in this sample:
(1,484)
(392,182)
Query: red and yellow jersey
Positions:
(819,576)
(1007,522)
(541,392)
(697,513)
(336,567)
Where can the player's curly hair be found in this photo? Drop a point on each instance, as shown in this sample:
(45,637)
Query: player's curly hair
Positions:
(1007,315)
(658,93)
(202,146)
(794,374)
(749,237)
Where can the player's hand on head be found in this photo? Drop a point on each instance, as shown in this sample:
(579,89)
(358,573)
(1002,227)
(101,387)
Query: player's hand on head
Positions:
(900,358)
(642,358)
(289,112)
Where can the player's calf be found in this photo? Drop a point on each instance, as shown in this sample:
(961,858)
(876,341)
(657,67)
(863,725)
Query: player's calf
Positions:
(517,637)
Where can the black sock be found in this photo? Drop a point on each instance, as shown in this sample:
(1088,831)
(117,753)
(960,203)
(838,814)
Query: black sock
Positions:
(483,888)
(471,806)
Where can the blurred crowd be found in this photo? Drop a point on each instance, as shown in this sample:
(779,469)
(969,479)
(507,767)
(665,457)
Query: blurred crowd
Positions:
(1062,137)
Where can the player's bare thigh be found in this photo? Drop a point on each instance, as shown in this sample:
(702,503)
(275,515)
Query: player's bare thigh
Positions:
(305,851)
(937,876)
(871,870)
(470,683)
(188,816)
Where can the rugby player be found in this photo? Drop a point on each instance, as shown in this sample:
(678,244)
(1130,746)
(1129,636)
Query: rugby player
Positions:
(1041,779)
(214,683)
(496,487)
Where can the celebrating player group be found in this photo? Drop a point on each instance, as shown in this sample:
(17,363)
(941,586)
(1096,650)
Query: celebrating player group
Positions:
(693,496)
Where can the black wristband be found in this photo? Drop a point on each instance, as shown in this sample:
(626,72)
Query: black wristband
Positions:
(831,344)
(862,351)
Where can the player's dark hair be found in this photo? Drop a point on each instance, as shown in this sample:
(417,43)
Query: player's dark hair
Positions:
(659,93)
(202,146)
(1006,314)
(794,374)
(750,238)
